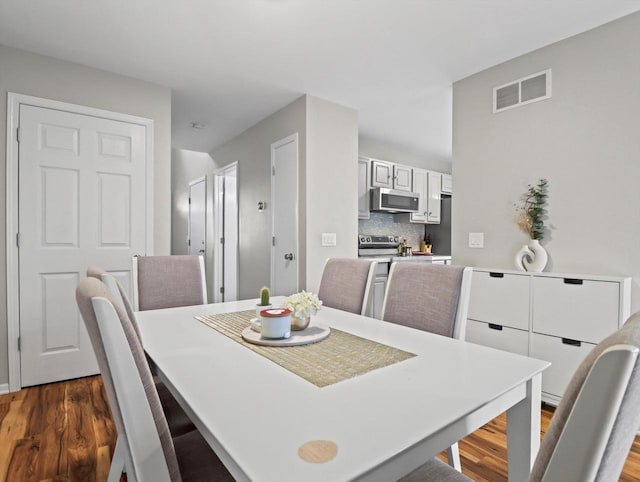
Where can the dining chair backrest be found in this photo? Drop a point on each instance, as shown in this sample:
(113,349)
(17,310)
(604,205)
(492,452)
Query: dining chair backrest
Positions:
(118,292)
(132,394)
(429,297)
(168,282)
(594,426)
(346,283)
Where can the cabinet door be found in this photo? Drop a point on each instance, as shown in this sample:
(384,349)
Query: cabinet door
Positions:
(363,188)
(402,176)
(420,186)
(564,355)
(498,336)
(586,310)
(433,201)
(381,174)
(500,298)
(447,184)
(379,288)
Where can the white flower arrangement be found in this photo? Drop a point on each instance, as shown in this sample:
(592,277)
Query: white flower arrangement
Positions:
(303,304)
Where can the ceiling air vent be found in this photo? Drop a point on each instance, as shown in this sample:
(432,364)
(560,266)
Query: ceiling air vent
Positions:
(528,89)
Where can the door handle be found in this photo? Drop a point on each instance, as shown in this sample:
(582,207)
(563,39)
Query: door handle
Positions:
(201,251)
(288,256)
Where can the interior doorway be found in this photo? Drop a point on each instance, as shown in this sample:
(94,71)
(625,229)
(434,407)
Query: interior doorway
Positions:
(197,222)
(225,260)
(284,200)
(77,195)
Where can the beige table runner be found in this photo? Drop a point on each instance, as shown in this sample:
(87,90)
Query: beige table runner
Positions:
(339,357)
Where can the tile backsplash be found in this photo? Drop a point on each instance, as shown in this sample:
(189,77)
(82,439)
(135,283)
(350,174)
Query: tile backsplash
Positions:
(382,223)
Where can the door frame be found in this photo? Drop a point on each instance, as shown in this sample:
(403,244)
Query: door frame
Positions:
(13,267)
(290,138)
(192,183)
(219,227)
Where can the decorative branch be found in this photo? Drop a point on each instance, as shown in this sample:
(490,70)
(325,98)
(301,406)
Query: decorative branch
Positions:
(531,210)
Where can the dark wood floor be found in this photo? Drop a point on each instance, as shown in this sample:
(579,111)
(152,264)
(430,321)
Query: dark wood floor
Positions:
(63,432)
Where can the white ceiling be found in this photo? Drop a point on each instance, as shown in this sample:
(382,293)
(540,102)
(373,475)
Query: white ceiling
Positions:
(231,63)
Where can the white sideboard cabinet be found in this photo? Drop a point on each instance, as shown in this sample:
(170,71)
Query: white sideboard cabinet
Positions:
(550,316)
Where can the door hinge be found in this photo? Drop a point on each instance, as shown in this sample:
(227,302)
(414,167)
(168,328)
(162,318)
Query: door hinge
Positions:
(222,290)
(188,242)
(18,240)
(19,344)
(189,201)
(273,170)
(273,240)
(18,134)
(222,240)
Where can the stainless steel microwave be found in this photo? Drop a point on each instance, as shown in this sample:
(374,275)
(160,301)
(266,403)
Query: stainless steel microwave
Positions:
(392,201)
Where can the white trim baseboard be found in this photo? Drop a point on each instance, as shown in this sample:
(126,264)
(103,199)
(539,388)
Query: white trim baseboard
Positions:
(4,388)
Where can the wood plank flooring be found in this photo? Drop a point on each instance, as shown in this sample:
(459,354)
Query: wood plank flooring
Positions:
(63,432)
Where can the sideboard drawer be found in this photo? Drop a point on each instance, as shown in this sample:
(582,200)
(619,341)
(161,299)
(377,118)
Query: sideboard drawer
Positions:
(564,355)
(587,310)
(501,298)
(497,336)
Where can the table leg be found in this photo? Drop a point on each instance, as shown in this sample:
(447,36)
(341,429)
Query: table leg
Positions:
(523,431)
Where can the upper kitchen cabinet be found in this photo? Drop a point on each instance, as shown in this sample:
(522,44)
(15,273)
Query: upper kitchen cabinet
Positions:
(447,184)
(391,176)
(428,184)
(364,200)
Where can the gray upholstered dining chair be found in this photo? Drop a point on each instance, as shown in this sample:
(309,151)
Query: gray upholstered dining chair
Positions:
(594,426)
(179,422)
(430,297)
(145,443)
(168,282)
(346,283)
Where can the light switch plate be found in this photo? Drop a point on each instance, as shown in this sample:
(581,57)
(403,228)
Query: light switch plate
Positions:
(476,240)
(329,239)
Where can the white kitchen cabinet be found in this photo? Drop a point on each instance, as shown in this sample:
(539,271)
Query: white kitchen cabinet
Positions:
(561,317)
(377,291)
(447,184)
(364,199)
(381,174)
(402,178)
(434,197)
(391,176)
(427,185)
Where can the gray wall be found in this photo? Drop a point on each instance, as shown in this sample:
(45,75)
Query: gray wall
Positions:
(332,184)
(585,140)
(252,150)
(27,73)
(328,151)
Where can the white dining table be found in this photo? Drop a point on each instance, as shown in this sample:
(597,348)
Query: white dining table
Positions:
(385,423)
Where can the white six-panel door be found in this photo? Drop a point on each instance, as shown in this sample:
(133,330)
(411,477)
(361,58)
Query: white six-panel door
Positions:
(81,202)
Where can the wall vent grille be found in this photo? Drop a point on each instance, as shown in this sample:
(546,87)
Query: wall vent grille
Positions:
(531,88)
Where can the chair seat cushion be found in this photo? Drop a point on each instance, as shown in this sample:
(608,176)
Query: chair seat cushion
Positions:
(197,461)
(178,421)
(435,470)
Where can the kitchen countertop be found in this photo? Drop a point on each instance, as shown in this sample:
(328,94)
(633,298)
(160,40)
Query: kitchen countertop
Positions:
(391,259)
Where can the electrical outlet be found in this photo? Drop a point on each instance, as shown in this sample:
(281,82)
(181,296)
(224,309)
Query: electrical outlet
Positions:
(329,239)
(476,240)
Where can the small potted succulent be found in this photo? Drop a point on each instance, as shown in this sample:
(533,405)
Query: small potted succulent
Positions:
(302,306)
(264,301)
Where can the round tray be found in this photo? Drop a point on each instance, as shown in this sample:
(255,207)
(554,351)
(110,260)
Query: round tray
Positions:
(311,334)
